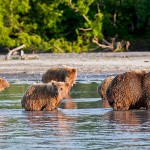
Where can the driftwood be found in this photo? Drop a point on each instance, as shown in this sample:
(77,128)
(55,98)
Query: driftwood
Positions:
(27,57)
(13,51)
(113,46)
(20,52)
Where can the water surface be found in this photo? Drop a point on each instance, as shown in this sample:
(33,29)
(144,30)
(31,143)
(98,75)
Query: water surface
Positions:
(81,122)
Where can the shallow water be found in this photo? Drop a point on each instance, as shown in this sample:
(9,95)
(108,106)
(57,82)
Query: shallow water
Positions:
(81,122)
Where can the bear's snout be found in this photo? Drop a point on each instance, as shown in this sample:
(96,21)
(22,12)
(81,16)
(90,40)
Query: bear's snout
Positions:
(56,93)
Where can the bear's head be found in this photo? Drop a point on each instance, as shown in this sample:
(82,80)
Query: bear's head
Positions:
(52,89)
(60,89)
(102,88)
(3,84)
(71,74)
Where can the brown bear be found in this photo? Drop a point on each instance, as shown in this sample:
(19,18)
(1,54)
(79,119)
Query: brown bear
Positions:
(126,91)
(64,74)
(44,96)
(3,84)
(146,90)
(102,88)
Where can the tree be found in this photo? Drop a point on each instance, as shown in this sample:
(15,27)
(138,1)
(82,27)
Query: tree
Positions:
(70,25)
(11,25)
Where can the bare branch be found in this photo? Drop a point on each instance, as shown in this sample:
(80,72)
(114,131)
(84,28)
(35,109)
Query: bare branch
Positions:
(88,29)
(71,5)
(115,15)
(13,51)
(98,9)
(28,57)
(18,51)
(106,42)
(85,18)
(113,46)
(127,45)
(58,48)
(93,49)
(101,45)
(122,45)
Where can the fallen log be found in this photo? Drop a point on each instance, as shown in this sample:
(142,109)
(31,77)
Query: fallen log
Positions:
(19,51)
(8,56)
(27,57)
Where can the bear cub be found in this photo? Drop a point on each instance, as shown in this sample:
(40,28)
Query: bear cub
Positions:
(64,74)
(46,96)
(3,84)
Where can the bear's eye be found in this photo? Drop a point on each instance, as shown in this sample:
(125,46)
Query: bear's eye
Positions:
(61,89)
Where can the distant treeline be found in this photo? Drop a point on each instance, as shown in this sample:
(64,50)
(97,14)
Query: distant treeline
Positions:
(71,25)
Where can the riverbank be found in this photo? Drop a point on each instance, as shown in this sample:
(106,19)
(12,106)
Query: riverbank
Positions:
(86,63)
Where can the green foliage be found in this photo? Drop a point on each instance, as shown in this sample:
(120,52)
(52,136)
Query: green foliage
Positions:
(132,16)
(143,13)
(69,25)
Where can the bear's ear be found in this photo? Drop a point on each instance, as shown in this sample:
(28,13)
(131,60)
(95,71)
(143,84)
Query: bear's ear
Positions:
(67,83)
(144,71)
(74,69)
(49,87)
(53,82)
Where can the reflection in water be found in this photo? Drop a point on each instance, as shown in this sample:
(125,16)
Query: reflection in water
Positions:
(44,117)
(104,104)
(86,90)
(54,123)
(70,104)
(82,121)
(3,121)
(134,120)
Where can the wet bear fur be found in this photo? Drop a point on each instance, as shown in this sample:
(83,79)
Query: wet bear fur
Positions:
(146,90)
(126,91)
(63,74)
(46,96)
(102,88)
(3,84)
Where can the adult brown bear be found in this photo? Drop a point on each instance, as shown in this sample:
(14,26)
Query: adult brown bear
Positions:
(126,91)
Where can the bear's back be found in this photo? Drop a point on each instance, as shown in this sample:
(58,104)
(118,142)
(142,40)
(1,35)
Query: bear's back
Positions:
(126,87)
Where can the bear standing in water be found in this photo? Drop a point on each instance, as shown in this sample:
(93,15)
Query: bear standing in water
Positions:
(146,90)
(102,88)
(64,74)
(126,91)
(46,96)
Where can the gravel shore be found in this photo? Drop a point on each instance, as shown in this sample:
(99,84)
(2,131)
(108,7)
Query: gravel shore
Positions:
(86,63)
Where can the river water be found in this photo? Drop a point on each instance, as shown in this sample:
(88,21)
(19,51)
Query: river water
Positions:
(81,122)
